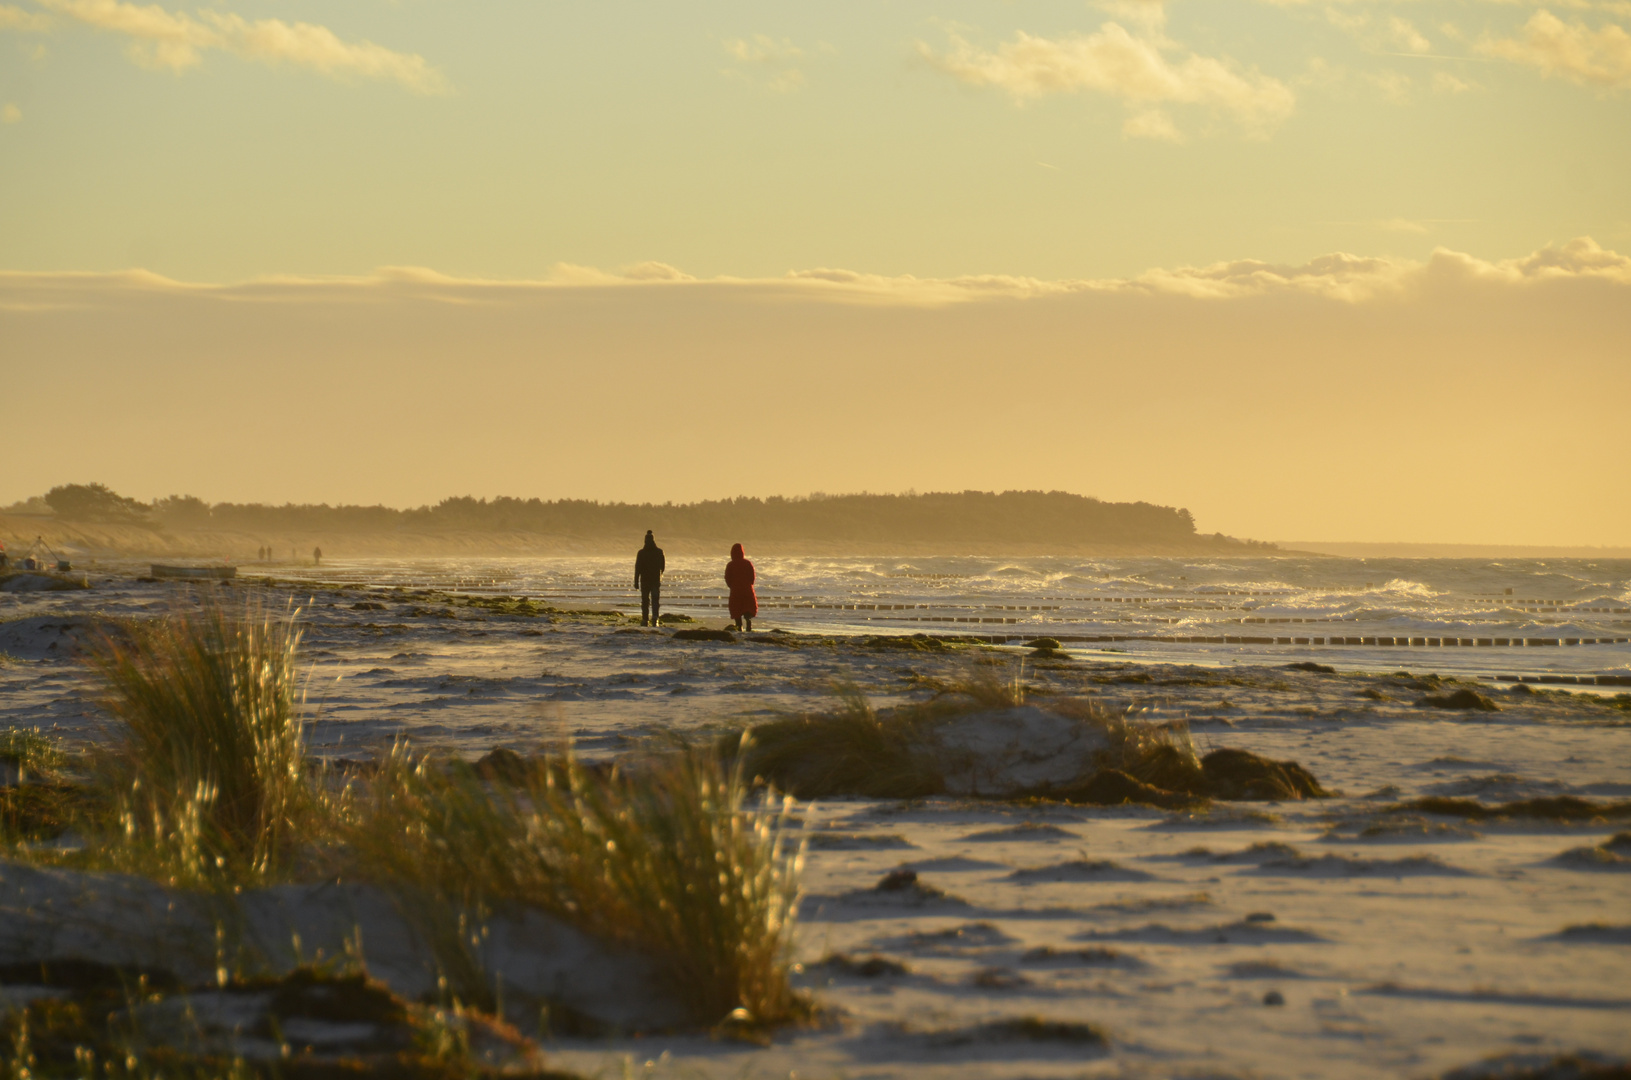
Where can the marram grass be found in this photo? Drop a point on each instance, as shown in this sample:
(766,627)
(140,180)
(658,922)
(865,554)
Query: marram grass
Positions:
(209,786)
(669,861)
(208,772)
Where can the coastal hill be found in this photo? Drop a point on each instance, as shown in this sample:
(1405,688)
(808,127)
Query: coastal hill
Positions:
(92,520)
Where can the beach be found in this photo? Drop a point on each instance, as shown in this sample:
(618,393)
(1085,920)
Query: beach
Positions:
(1355,935)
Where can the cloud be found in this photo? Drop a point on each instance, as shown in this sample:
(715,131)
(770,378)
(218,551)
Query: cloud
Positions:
(1569,51)
(778,60)
(1445,83)
(11,114)
(177,41)
(1134,68)
(15,18)
(1338,277)
(1394,85)
(1383,34)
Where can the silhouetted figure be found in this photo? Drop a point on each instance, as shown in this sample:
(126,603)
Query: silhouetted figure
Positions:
(648,578)
(739,576)
(317,556)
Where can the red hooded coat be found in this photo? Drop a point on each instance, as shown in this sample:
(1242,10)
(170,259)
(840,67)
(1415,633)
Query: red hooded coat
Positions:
(739,576)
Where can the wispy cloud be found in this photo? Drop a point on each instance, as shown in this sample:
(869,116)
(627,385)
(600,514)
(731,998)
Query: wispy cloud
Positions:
(1571,51)
(176,40)
(15,18)
(1143,69)
(1338,277)
(776,63)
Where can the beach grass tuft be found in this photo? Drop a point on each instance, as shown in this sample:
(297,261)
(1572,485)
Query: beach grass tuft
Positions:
(670,861)
(208,775)
(848,751)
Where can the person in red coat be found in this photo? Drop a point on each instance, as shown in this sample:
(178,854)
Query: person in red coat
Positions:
(739,576)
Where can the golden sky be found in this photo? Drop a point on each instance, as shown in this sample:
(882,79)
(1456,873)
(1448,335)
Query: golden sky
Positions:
(1336,270)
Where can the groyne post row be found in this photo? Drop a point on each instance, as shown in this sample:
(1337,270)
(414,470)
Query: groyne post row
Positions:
(1423,642)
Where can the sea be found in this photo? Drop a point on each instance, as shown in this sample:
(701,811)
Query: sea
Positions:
(1557,621)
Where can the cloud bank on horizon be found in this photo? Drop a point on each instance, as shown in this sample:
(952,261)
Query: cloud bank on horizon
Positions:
(1453,399)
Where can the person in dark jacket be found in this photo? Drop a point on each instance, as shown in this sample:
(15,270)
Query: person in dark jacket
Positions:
(648,578)
(739,576)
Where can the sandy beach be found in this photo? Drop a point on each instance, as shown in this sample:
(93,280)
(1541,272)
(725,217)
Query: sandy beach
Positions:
(1347,936)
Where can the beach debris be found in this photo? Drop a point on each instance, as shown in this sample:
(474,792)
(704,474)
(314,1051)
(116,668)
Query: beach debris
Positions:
(1579,1066)
(1243,775)
(1274,997)
(1552,808)
(1462,699)
(1027,1029)
(703,634)
(907,642)
(1595,933)
(903,887)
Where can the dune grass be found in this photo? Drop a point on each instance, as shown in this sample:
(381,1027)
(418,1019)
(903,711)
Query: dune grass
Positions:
(208,785)
(848,751)
(33,753)
(671,862)
(207,778)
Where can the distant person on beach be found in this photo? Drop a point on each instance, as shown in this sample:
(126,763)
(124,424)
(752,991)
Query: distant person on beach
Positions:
(317,556)
(648,578)
(739,576)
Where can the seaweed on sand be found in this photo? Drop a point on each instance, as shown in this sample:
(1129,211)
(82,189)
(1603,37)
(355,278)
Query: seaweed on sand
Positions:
(907,643)
(1460,699)
(1240,774)
(1550,808)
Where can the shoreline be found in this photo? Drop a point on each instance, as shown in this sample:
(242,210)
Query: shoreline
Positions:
(117,541)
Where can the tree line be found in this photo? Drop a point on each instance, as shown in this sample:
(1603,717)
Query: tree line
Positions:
(1029,517)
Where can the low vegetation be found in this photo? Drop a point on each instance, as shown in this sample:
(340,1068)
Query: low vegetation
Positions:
(857,750)
(208,786)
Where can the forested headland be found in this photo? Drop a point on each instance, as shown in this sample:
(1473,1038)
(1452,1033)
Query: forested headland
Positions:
(1021,521)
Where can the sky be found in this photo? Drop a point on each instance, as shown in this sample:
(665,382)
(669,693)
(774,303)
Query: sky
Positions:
(1343,270)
